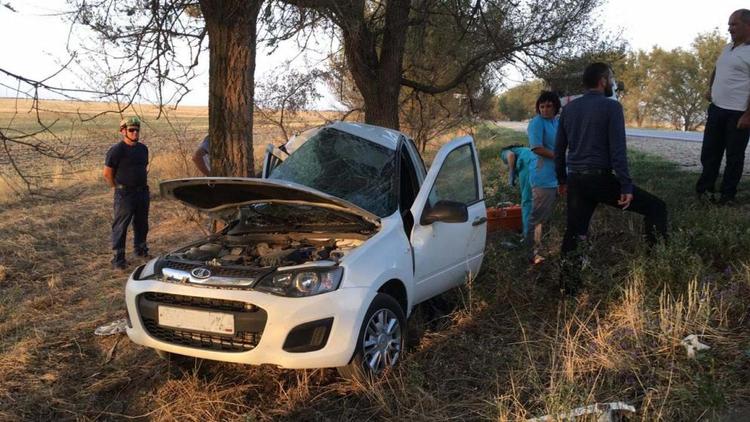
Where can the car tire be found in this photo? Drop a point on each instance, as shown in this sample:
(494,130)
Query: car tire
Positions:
(381,340)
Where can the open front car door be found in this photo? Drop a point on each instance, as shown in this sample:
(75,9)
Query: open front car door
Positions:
(450,219)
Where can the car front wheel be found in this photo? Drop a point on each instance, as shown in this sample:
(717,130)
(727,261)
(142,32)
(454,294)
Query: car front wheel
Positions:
(381,339)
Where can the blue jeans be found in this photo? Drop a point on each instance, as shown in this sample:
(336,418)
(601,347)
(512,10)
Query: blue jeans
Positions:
(720,135)
(130,205)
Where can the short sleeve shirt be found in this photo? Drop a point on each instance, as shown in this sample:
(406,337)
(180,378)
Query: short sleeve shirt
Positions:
(542,133)
(129,163)
(731,87)
(204,146)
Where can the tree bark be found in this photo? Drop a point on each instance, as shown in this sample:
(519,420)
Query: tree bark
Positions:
(378,77)
(232,33)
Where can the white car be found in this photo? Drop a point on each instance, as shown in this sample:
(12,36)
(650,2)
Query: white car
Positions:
(323,258)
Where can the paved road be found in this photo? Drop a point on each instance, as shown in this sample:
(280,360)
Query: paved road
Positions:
(683,148)
(631,132)
(665,134)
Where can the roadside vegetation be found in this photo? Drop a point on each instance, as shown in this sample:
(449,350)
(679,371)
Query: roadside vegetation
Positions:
(663,88)
(505,347)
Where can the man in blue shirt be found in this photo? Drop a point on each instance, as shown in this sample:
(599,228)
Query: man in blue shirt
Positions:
(125,170)
(592,166)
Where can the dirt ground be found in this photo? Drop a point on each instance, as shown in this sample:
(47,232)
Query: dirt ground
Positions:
(509,348)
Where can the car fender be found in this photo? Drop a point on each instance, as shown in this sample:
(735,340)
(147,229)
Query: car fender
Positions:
(383,257)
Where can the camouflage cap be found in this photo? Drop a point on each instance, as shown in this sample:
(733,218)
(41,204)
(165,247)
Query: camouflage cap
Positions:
(130,122)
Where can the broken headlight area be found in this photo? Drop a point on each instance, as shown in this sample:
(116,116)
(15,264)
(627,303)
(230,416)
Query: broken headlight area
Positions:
(302,282)
(147,270)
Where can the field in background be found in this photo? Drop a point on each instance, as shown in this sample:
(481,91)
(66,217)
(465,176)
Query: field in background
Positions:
(86,130)
(504,347)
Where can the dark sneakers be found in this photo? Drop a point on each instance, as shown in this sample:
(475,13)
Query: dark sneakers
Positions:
(118,261)
(143,253)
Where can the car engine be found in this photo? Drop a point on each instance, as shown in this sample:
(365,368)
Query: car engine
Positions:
(265,250)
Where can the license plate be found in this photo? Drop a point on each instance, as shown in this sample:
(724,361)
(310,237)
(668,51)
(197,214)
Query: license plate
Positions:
(189,319)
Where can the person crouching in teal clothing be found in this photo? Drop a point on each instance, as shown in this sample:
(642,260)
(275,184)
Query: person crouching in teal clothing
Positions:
(521,162)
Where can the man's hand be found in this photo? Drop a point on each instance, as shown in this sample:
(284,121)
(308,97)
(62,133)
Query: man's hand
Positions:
(562,189)
(625,199)
(744,121)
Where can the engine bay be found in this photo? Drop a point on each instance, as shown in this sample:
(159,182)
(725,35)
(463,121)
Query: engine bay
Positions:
(268,250)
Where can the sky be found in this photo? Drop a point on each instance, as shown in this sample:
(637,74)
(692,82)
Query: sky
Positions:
(34,37)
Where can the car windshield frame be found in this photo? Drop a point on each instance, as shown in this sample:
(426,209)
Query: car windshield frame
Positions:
(346,166)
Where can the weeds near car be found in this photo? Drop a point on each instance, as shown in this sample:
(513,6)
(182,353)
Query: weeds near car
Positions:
(507,347)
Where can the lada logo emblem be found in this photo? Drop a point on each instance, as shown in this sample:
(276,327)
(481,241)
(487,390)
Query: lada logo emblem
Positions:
(201,273)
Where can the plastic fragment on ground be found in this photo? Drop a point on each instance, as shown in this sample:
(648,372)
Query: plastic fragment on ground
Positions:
(607,412)
(692,345)
(114,327)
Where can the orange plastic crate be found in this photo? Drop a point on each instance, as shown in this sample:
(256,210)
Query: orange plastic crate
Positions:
(504,218)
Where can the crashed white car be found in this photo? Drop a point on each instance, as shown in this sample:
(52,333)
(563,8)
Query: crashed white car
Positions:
(322,259)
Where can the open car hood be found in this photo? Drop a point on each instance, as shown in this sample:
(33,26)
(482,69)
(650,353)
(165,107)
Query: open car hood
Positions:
(219,195)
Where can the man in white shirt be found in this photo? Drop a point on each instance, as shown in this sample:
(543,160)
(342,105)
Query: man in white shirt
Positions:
(728,124)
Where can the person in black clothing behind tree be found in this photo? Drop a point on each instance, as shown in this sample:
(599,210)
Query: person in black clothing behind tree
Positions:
(125,170)
(592,168)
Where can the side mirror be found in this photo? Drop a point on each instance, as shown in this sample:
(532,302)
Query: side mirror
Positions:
(445,211)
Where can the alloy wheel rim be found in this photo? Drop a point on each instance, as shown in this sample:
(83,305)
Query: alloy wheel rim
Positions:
(382,341)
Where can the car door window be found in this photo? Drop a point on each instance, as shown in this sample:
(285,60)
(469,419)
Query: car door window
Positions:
(457,179)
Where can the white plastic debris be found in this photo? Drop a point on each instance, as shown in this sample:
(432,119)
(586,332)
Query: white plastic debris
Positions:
(692,345)
(114,327)
(607,412)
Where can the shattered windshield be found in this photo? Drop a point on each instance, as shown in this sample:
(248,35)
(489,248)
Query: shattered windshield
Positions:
(345,166)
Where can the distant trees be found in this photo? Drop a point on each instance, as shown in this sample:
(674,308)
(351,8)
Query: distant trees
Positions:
(518,102)
(668,87)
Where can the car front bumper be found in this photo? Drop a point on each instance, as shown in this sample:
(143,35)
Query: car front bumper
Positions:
(346,306)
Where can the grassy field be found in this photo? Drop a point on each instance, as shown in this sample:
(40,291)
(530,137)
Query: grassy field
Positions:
(79,134)
(505,347)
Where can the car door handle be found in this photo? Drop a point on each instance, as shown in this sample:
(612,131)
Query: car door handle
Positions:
(479,221)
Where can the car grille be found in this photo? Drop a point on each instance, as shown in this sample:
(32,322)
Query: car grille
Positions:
(249,322)
(224,271)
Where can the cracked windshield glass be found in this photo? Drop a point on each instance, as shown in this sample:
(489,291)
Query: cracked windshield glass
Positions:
(345,166)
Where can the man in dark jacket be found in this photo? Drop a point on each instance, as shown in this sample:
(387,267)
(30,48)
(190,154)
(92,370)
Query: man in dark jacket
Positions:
(125,170)
(592,166)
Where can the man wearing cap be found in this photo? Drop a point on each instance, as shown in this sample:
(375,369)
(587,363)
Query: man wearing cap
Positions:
(125,170)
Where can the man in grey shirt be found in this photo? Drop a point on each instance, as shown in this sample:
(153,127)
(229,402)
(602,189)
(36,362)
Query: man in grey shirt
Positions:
(592,167)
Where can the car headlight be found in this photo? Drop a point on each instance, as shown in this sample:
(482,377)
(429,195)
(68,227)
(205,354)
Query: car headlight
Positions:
(302,282)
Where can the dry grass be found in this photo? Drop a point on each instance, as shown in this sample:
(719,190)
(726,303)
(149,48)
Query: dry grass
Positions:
(506,347)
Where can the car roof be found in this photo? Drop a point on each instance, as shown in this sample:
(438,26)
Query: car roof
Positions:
(380,135)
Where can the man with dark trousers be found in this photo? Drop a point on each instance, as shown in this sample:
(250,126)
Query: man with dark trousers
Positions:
(592,168)
(125,170)
(728,124)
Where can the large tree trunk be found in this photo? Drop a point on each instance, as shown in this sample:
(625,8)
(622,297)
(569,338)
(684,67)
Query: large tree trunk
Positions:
(231,26)
(378,76)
